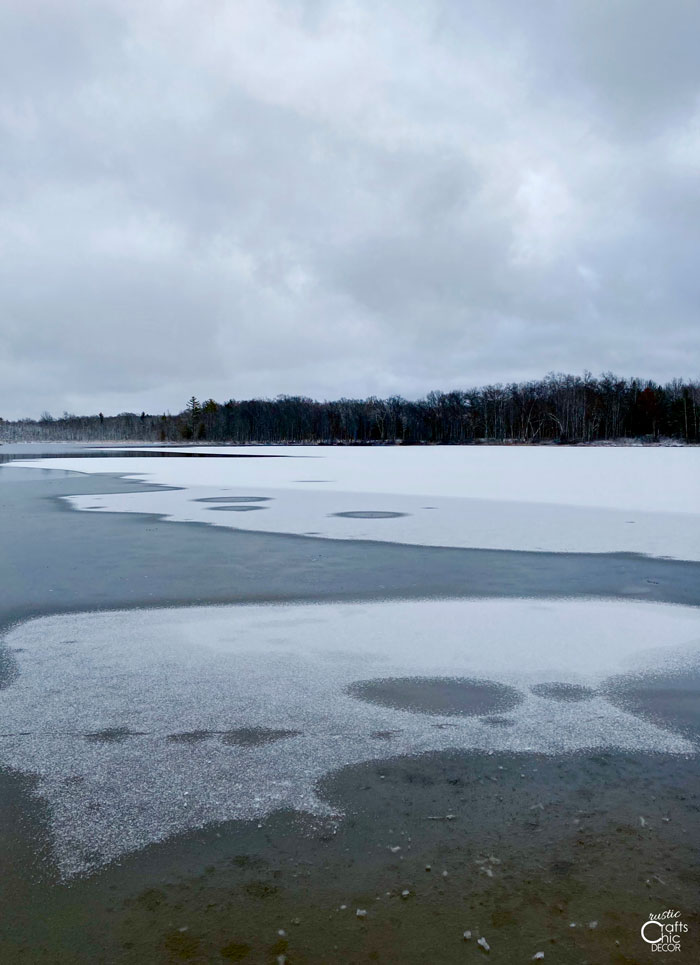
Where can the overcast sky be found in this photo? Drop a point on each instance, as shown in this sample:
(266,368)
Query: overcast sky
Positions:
(248,197)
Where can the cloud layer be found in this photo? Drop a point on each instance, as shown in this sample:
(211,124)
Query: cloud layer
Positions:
(331,198)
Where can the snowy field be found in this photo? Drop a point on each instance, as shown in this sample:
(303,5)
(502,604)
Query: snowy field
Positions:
(557,499)
(146,723)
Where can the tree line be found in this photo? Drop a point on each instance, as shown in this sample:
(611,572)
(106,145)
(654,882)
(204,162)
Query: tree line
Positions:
(556,409)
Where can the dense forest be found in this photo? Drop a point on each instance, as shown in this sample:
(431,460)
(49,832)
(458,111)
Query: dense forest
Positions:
(557,409)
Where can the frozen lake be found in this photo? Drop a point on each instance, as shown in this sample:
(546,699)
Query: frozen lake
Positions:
(181,718)
(547,499)
(371,607)
(141,678)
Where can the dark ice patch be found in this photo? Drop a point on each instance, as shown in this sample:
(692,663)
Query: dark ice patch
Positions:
(110,735)
(563,692)
(445,696)
(232,499)
(60,451)
(189,737)
(670,700)
(369,514)
(254,736)
(496,721)
(236,509)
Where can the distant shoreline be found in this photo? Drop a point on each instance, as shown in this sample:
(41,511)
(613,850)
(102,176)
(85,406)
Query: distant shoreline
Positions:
(230,443)
(558,409)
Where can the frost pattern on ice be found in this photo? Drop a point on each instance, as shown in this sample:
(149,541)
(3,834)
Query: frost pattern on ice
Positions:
(143,724)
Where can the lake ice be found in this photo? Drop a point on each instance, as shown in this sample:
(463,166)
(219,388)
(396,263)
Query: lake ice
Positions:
(556,499)
(142,724)
(146,723)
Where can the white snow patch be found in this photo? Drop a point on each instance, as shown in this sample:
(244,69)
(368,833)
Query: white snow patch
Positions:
(555,499)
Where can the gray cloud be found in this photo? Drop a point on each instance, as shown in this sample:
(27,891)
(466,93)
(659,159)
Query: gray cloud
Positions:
(342,198)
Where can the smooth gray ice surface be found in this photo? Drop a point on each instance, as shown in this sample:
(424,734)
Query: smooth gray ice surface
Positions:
(15,474)
(235,509)
(369,514)
(670,698)
(255,736)
(446,696)
(232,499)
